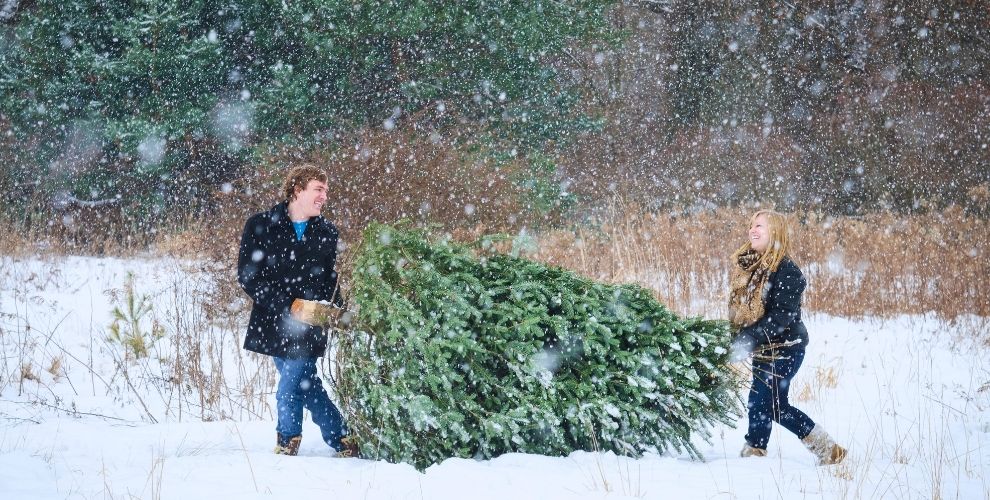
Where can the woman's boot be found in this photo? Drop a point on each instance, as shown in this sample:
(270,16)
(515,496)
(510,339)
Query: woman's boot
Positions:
(821,444)
(749,451)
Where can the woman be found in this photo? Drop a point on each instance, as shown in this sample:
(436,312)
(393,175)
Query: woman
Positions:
(765,307)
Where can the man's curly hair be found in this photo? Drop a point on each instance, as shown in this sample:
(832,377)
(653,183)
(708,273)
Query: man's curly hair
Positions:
(299,177)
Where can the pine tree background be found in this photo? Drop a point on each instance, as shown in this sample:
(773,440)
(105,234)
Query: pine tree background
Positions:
(458,351)
(154,102)
(164,108)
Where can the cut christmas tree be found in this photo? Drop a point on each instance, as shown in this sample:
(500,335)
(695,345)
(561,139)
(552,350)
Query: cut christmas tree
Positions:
(457,351)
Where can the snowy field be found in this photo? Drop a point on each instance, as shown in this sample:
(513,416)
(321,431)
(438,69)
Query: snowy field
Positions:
(81,417)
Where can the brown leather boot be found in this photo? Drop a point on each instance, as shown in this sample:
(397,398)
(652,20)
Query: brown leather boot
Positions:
(348,447)
(287,445)
(821,444)
(749,451)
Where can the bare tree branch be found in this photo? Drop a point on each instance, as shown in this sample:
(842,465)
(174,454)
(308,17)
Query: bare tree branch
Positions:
(657,6)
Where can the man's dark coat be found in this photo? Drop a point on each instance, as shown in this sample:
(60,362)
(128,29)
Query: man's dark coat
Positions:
(274,268)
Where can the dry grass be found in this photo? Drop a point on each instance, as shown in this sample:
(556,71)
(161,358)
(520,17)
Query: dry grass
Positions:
(826,378)
(55,368)
(881,265)
(878,265)
(27,373)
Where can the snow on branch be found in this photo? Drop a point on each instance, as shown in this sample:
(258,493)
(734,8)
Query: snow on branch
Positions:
(8,9)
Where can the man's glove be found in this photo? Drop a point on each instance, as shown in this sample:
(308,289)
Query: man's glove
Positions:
(315,313)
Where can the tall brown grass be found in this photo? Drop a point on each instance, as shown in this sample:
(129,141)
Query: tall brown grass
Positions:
(876,265)
(881,264)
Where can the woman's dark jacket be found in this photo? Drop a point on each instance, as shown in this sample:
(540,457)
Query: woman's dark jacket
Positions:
(274,268)
(781,321)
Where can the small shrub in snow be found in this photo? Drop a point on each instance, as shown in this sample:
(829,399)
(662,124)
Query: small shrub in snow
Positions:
(129,328)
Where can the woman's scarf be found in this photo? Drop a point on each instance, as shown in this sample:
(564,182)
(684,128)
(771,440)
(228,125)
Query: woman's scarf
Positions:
(747,287)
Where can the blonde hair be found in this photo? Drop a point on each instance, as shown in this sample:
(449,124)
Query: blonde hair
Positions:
(299,178)
(779,245)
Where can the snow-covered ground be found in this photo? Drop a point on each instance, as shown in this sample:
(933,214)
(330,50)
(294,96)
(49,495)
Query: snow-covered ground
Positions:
(79,418)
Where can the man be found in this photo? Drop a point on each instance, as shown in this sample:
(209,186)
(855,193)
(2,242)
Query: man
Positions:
(285,264)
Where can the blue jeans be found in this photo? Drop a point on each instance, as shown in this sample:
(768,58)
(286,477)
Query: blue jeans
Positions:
(299,386)
(768,396)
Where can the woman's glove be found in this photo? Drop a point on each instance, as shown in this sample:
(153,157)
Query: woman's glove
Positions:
(315,313)
(741,348)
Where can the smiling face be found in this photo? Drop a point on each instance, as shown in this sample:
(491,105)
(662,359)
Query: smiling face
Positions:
(308,202)
(759,233)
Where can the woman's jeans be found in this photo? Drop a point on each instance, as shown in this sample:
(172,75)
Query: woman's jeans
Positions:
(299,386)
(768,396)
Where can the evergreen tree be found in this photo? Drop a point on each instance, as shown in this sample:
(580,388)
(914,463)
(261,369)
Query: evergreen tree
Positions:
(450,354)
(148,97)
(113,99)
